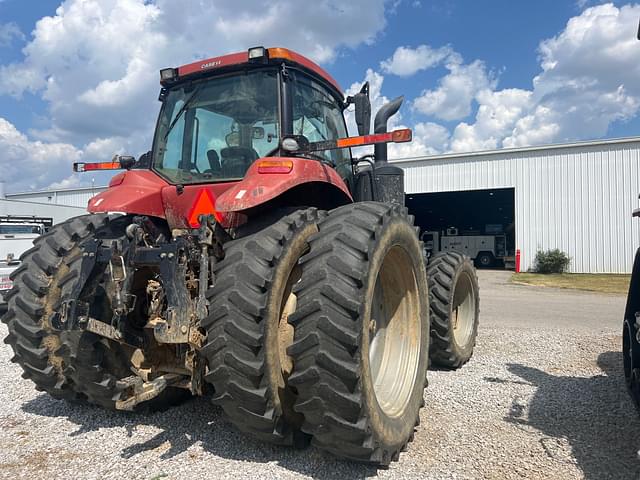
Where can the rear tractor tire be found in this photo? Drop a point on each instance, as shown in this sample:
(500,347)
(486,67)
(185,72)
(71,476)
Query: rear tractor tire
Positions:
(70,364)
(96,364)
(248,330)
(454,305)
(361,338)
(37,290)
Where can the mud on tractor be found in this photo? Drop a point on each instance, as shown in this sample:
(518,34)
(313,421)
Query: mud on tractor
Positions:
(250,258)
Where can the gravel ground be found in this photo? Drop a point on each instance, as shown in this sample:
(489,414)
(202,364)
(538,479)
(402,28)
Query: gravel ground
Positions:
(543,397)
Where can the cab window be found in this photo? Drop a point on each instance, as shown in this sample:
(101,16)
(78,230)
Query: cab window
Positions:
(318,116)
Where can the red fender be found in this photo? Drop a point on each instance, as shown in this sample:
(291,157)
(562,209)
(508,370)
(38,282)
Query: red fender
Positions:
(257,188)
(136,191)
(144,192)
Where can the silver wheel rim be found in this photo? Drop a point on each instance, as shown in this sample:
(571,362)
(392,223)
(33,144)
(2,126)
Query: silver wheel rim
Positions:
(395,333)
(289,304)
(463,309)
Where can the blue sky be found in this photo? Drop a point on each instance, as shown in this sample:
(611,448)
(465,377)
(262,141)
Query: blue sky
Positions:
(78,79)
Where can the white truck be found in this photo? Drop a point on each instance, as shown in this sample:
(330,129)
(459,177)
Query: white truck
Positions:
(483,249)
(17,234)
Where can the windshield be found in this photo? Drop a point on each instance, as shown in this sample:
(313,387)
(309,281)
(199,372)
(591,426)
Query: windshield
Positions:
(214,130)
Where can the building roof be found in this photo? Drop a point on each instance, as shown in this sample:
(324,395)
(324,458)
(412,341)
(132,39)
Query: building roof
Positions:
(54,190)
(552,146)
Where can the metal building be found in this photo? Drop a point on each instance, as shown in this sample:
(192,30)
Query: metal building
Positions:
(576,197)
(71,197)
(59,204)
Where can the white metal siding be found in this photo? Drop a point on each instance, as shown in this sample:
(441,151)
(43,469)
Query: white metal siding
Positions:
(576,198)
(59,213)
(71,198)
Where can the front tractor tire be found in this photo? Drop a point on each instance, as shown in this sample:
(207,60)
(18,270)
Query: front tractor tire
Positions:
(361,338)
(248,330)
(37,291)
(454,304)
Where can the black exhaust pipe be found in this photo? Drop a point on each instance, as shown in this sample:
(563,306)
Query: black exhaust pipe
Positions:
(387,111)
(389,179)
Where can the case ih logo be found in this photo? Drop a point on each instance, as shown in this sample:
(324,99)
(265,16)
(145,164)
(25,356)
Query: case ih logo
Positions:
(210,64)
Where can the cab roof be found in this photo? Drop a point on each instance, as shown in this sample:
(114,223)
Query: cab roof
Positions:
(204,67)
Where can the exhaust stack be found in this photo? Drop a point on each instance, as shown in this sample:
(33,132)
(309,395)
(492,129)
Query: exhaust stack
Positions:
(389,179)
(387,111)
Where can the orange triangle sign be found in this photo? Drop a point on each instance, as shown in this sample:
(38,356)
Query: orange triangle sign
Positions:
(204,204)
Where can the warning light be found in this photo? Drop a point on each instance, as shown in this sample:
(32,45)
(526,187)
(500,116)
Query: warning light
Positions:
(275,166)
(204,205)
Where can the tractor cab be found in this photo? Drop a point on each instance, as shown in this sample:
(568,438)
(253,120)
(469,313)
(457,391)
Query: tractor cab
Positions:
(246,132)
(221,115)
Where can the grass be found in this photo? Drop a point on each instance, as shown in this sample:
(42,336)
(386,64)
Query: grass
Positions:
(593,282)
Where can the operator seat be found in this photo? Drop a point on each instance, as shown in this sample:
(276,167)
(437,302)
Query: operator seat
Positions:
(236,161)
(214,163)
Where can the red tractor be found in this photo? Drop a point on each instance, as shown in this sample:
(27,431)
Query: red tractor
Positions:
(250,258)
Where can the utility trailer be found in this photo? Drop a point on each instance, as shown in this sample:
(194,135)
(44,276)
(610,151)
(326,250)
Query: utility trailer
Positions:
(17,234)
(485,250)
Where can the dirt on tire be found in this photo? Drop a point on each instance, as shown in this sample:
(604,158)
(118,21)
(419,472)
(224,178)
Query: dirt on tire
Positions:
(35,295)
(248,329)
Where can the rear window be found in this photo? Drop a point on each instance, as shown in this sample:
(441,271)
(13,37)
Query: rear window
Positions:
(20,229)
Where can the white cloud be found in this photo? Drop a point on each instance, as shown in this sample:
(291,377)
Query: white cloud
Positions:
(497,114)
(96,65)
(407,61)
(453,98)
(428,139)
(72,181)
(590,78)
(29,164)
(9,32)
(96,62)
(539,127)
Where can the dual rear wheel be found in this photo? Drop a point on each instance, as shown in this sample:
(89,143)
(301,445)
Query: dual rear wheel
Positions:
(319,328)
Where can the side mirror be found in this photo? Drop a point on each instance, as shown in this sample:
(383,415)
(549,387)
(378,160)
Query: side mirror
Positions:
(126,161)
(363,109)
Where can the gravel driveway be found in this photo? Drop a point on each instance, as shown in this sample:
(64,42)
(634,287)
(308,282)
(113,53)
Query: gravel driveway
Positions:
(543,397)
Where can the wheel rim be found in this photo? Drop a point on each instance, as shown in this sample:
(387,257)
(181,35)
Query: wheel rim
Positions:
(288,306)
(395,332)
(485,261)
(463,309)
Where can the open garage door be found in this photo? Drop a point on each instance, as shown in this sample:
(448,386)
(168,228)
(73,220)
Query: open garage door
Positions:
(479,223)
